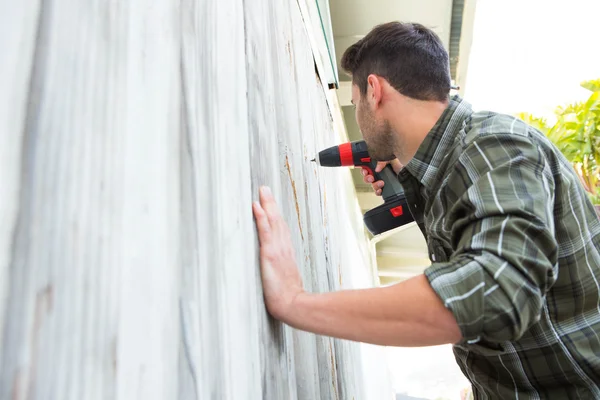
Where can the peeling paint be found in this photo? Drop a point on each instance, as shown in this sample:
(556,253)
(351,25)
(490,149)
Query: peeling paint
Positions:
(324,206)
(333,372)
(43,305)
(288,48)
(45,297)
(289,170)
(114,346)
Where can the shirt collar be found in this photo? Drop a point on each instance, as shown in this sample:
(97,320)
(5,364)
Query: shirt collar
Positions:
(436,145)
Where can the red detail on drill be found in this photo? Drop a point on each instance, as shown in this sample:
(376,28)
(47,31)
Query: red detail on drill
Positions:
(346,154)
(396,211)
(365,159)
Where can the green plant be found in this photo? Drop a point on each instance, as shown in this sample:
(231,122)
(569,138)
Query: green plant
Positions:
(576,133)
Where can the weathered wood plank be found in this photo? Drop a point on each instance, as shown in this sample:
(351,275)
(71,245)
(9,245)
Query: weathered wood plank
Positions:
(276,342)
(134,137)
(18,31)
(148,329)
(92,294)
(219,299)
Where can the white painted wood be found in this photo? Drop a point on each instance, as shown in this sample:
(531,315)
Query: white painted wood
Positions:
(134,137)
(218,309)
(92,293)
(18,29)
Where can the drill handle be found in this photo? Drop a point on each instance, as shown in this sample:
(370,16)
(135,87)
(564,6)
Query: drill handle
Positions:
(392,186)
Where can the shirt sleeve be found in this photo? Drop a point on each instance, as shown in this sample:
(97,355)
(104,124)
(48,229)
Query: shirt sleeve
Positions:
(500,220)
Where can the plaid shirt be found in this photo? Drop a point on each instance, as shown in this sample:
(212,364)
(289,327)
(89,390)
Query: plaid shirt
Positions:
(515,250)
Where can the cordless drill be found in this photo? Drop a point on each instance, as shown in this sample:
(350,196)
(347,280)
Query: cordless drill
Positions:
(394,211)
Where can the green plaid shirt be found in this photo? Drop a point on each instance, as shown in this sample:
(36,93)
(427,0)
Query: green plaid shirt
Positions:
(515,250)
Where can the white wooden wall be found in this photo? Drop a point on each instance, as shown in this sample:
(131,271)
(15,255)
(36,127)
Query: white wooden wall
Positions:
(133,138)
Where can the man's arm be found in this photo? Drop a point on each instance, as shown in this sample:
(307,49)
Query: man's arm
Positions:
(406,314)
(501,224)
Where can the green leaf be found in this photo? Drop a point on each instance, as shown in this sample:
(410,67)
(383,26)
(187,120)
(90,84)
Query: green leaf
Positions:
(593,85)
(576,132)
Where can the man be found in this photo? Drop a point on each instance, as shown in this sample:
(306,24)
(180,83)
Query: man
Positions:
(514,241)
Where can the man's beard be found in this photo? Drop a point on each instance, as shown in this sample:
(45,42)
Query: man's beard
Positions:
(381,140)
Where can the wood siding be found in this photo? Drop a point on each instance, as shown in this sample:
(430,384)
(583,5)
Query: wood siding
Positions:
(133,138)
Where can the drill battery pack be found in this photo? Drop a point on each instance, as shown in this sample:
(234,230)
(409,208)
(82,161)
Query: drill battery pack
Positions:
(389,215)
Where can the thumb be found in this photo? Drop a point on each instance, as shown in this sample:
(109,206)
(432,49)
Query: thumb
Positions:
(380,166)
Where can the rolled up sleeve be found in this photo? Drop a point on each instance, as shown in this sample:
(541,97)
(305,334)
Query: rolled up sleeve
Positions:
(501,226)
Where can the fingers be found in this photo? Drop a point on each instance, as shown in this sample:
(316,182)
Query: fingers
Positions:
(267,201)
(367,177)
(265,213)
(378,187)
(262,222)
(268,205)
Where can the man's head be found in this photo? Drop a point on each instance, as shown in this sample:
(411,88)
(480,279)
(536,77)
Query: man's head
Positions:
(396,69)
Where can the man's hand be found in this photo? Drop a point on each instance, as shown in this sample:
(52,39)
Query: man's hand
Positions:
(280,277)
(377,186)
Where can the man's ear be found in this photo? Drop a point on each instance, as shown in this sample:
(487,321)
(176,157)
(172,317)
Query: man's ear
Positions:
(374,90)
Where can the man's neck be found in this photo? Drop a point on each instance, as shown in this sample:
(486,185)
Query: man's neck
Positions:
(417,120)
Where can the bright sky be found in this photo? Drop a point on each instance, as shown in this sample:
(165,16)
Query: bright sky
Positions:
(526,55)
(531,55)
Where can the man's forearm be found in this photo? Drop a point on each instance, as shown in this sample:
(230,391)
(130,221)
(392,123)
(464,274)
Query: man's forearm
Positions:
(406,314)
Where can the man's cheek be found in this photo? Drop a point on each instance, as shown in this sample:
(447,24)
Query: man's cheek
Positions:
(359,119)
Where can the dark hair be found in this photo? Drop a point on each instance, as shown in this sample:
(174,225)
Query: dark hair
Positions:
(409,56)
